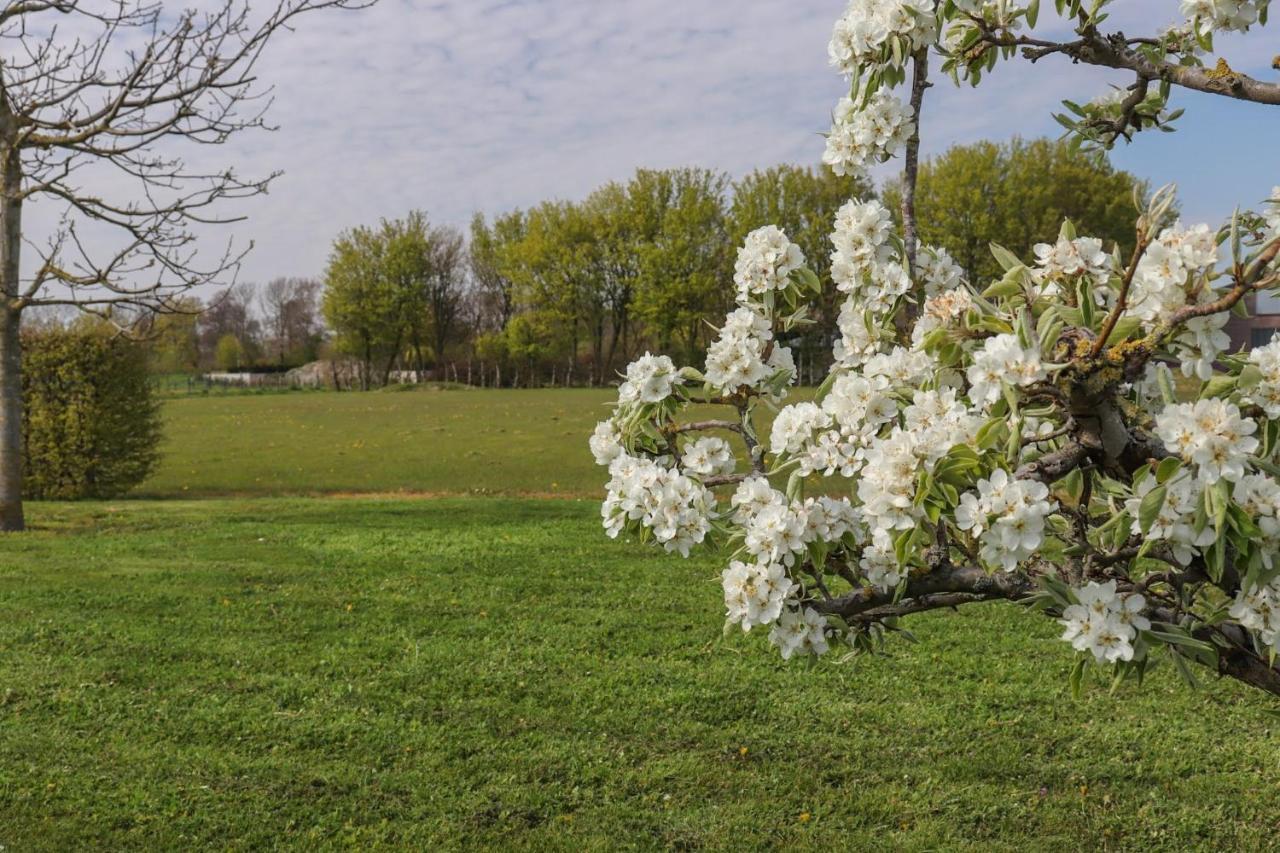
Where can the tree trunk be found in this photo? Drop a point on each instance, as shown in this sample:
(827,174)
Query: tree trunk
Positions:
(11,517)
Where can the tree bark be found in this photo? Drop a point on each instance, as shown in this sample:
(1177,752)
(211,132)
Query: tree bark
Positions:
(911,159)
(11,516)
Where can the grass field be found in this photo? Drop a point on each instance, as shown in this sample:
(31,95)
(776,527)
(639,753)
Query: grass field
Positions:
(491,672)
(455,442)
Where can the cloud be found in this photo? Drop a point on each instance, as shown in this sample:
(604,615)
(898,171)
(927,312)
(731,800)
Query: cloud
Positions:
(457,106)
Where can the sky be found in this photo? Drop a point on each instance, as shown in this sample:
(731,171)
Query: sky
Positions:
(458,106)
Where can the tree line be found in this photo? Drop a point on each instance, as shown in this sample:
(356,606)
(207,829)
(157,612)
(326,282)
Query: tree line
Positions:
(567,292)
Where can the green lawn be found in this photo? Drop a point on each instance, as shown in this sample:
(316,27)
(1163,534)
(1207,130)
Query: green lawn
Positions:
(490,672)
(456,442)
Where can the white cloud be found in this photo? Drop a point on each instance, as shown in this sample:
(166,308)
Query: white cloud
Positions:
(486,105)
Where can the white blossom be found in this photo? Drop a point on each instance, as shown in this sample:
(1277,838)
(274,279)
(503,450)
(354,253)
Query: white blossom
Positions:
(675,508)
(1007,517)
(938,270)
(606,443)
(765,260)
(1174,522)
(650,379)
(1212,15)
(1103,622)
(794,427)
(800,631)
(754,593)
(1258,609)
(862,32)
(708,457)
(1072,259)
(1266,394)
(1211,434)
(862,136)
(752,495)
(736,357)
(1001,360)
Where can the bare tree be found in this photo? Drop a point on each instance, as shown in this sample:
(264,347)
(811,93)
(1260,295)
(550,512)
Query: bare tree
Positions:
(291,314)
(91,91)
(444,285)
(231,313)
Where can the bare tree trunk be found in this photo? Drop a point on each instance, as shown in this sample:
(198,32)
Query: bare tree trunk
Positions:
(11,517)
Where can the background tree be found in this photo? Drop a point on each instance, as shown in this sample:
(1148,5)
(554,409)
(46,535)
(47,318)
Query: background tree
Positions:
(291,318)
(172,338)
(444,286)
(117,85)
(1017,194)
(685,257)
(361,304)
(229,314)
(493,285)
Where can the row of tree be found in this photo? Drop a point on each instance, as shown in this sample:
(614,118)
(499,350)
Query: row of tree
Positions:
(568,292)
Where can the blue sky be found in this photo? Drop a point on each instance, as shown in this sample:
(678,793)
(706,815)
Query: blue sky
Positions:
(454,107)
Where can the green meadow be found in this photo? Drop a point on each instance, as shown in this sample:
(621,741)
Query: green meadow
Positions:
(268,648)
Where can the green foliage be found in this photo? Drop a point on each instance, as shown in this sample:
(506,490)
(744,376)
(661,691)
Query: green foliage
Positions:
(392,287)
(91,425)
(371,674)
(686,259)
(1016,195)
(229,354)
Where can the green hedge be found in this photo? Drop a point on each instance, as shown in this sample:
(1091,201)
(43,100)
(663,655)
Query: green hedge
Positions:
(91,424)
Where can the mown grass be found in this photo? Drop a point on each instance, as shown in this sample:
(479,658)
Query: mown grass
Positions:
(420,440)
(482,672)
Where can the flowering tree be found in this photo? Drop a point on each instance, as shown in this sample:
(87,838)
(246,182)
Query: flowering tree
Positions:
(1022,439)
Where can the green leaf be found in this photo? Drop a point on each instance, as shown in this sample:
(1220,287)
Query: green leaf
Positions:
(1150,507)
(1008,260)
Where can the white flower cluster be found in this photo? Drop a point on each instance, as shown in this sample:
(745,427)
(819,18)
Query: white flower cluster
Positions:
(1071,259)
(941,311)
(863,31)
(794,426)
(1212,435)
(760,591)
(938,270)
(1266,393)
(1175,521)
(676,508)
(650,379)
(1213,15)
(863,264)
(1104,622)
(1012,514)
(764,262)
(755,593)
(1172,274)
(737,356)
(800,631)
(1002,360)
(863,136)
(1259,496)
(1258,610)
(709,456)
(605,443)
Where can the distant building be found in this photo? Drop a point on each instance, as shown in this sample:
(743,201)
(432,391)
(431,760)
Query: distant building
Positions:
(1257,329)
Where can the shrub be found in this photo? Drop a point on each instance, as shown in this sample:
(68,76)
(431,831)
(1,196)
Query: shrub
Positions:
(91,423)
